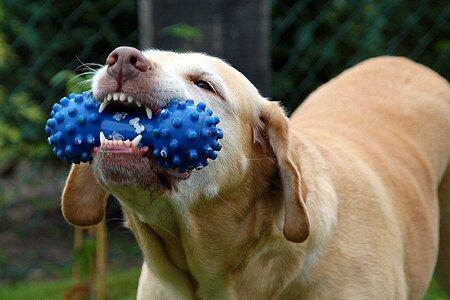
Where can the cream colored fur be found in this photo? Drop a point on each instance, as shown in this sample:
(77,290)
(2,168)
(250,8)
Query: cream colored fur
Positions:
(337,202)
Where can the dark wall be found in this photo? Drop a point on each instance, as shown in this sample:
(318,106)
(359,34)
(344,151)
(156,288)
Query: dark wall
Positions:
(237,31)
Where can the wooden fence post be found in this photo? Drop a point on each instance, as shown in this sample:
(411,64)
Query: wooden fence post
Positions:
(101,260)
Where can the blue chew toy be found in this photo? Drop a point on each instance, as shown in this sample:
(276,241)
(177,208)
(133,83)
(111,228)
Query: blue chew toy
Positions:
(182,136)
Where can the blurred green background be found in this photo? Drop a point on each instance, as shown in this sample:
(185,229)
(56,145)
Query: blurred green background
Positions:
(50,48)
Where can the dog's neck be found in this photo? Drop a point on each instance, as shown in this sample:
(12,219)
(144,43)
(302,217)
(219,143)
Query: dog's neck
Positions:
(219,236)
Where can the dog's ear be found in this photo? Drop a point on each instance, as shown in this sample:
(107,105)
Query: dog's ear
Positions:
(276,127)
(83,200)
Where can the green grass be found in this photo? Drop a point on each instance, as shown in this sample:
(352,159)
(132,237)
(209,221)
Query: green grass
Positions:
(435,292)
(122,285)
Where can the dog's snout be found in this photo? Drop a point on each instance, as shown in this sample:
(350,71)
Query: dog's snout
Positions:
(126,62)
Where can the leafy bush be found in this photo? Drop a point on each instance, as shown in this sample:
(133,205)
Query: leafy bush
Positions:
(43,42)
(40,39)
(313,41)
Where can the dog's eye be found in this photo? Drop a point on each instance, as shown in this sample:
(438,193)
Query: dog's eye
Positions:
(204,85)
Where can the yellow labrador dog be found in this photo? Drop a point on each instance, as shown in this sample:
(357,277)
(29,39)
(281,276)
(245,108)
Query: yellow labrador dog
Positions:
(338,202)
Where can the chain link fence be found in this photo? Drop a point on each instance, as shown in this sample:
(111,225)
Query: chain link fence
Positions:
(43,46)
(78,33)
(46,45)
(313,41)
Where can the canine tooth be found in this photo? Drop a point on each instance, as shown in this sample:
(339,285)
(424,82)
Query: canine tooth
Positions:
(122,97)
(116,96)
(149,113)
(102,138)
(136,140)
(102,106)
(138,103)
(130,99)
(109,97)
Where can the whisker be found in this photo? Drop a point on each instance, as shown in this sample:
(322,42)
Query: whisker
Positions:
(88,65)
(83,69)
(167,230)
(82,85)
(80,75)
(89,74)
(93,64)
(118,227)
(233,208)
(87,80)
(260,158)
(83,82)
(115,219)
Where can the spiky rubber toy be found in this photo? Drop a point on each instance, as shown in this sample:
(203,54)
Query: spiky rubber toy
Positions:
(181,136)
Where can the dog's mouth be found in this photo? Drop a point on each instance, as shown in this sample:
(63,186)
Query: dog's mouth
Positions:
(127,162)
(130,103)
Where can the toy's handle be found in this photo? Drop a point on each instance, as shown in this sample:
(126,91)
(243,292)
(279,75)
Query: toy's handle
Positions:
(183,135)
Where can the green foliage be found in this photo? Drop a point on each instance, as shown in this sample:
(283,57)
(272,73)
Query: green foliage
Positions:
(122,284)
(188,35)
(84,255)
(39,39)
(19,117)
(313,41)
(435,292)
(43,42)
(74,83)
(182,31)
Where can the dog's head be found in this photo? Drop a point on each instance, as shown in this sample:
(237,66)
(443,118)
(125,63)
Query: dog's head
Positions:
(256,147)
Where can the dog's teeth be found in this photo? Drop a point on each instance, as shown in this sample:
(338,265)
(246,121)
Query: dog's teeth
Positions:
(138,103)
(136,140)
(130,99)
(122,97)
(109,97)
(149,113)
(116,96)
(127,143)
(102,106)
(102,138)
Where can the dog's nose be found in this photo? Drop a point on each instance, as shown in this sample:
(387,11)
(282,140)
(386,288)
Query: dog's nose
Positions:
(126,62)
